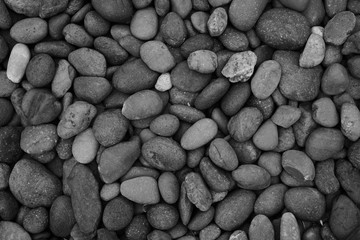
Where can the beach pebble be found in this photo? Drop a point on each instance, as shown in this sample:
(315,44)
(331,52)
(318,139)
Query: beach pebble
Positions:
(11,230)
(33,9)
(295,5)
(350,123)
(157,56)
(197,191)
(169,187)
(5,19)
(38,139)
(118,213)
(36,220)
(324,112)
(271,200)
(335,79)
(114,10)
(29,30)
(109,191)
(266,137)
(162,216)
(173,29)
(251,177)
(76,118)
(165,125)
(77,35)
(240,66)
(266,79)
(325,179)
(217,22)
(285,116)
(17,63)
(199,134)
(202,61)
(144,24)
(88,62)
(314,52)
(271,30)
(142,190)
(298,165)
(289,227)
(85,146)
(61,216)
(163,83)
(339,28)
(223,155)
(33,185)
(261,228)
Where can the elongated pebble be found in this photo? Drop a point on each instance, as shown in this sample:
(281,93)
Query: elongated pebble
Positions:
(18,61)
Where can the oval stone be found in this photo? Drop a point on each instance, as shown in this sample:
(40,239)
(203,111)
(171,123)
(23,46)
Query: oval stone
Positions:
(88,62)
(141,190)
(118,11)
(157,56)
(266,79)
(199,134)
(251,177)
(29,30)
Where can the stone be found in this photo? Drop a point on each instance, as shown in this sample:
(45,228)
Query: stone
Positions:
(173,29)
(266,137)
(217,22)
(163,82)
(85,146)
(197,191)
(114,10)
(141,190)
(33,185)
(314,52)
(13,231)
(29,30)
(118,213)
(162,216)
(63,78)
(251,177)
(144,24)
(17,63)
(240,66)
(266,79)
(291,36)
(157,56)
(32,8)
(298,165)
(92,89)
(77,36)
(88,62)
(36,220)
(199,134)
(202,61)
(61,216)
(339,28)
(38,139)
(289,227)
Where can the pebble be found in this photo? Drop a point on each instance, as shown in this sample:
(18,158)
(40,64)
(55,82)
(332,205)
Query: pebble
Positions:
(59,49)
(271,201)
(285,116)
(266,137)
(29,30)
(33,185)
(9,206)
(349,178)
(77,35)
(244,14)
(296,83)
(38,139)
(196,42)
(63,78)
(5,19)
(11,230)
(199,134)
(173,29)
(144,24)
(92,89)
(85,198)
(335,79)
(141,190)
(85,146)
(36,220)
(7,86)
(163,83)
(114,11)
(10,150)
(199,21)
(202,61)
(339,28)
(217,179)
(217,22)
(344,217)
(17,63)
(240,67)
(324,112)
(76,118)
(201,219)
(118,213)
(157,56)
(271,162)
(245,123)
(138,228)
(197,191)
(222,154)
(33,9)
(95,25)
(266,79)
(5,171)
(169,187)
(61,216)
(57,24)
(350,124)
(211,232)
(251,177)
(352,66)
(112,168)
(162,216)
(314,52)
(298,165)
(312,209)
(134,76)
(165,125)
(164,154)
(271,30)
(261,228)
(289,227)
(325,179)
(111,49)
(109,191)
(143,104)
(295,5)
(88,62)
(233,211)
(41,70)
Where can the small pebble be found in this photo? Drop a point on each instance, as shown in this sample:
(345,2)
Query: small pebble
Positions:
(217,22)
(163,82)
(17,63)
(314,52)
(240,67)
(85,146)
(339,28)
(109,191)
(203,61)
(142,190)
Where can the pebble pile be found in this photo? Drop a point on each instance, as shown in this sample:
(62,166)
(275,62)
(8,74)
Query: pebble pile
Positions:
(180,119)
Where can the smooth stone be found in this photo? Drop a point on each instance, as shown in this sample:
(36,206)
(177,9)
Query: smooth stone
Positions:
(85,146)
(29,30)
(163,83)
(111,49)
(314,52)
(109,191)
(8,111)
(141,190)
(305,203)
(233,211)
(141,105)
(138,228)
(266,137)
(116,161)
(352,64)
(36,220)
(335,79)
(118,213)
(110,127)
(61,216)
(17,63)
(197,191)
(270,201)
(169,187)
(350,124)
(243,14)
(38,139)
(285,116)
(325,179)
(271,30)
(202,61)
(7,86)
(63,79)
(164,154)
(144,24)
(351,44)
(217,179)
(92,89)
(157,56)
(13,231)
(77,35)
(165,125)
(134,76)
(199,20)
(266,79)
(95,25)
(289,227)
(114,10)
(10,150)
(217,22)
(211,94)
(57,24)
(85,198)
(298,165)
(173,29)
(32,8)
(88,62)
(5,19)
(349,178)
(295,5)
(199,134)
(60,49)
(76,118)
(41,70)
(222,154)
(339,28)
(296,83)
(162,216)
(251,177)
(240,66)
(33,185)
(324,112)
(261,228)
(196,42)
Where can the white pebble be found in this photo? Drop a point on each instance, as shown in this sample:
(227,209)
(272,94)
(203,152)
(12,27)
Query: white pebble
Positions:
(314,52)
(18,61)
(85,146)
(163,83)
(110,191)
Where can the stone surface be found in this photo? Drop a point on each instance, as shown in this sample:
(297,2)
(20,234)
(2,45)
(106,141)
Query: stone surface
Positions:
(240,66)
